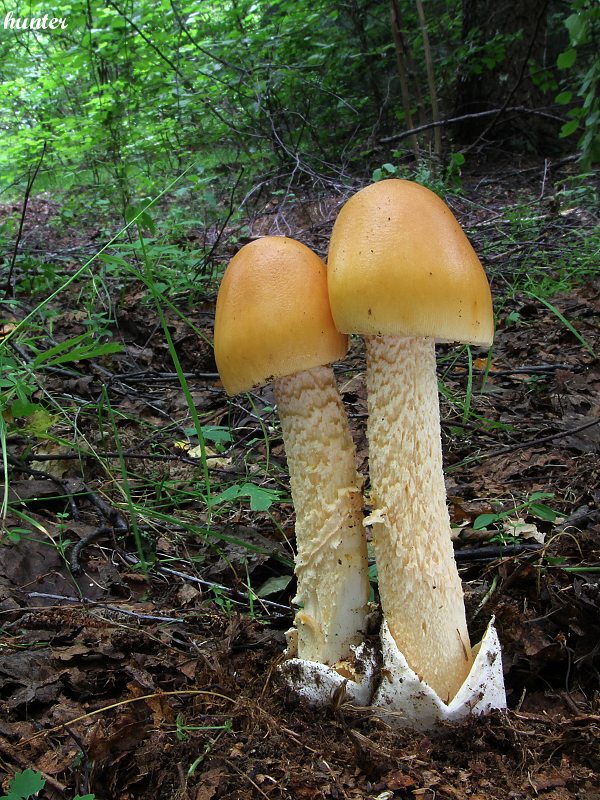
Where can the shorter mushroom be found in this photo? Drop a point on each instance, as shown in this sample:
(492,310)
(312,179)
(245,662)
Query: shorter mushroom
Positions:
(273,324)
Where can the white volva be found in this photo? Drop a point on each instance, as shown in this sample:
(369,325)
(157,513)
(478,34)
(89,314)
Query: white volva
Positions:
(331,561)
(419,585)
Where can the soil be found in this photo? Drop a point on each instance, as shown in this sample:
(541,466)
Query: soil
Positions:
(165,685)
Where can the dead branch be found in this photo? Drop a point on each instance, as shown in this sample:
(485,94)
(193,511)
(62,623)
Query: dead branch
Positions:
(397,137)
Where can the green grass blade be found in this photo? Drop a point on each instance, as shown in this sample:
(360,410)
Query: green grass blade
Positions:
(78,272)
(469,392)
(564,321)
(158,297)
(4,504)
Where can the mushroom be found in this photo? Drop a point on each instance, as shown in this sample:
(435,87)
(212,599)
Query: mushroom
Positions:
(273,324)
(402,273)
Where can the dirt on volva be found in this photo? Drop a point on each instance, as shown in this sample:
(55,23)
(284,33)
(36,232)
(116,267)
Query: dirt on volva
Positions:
(165,685)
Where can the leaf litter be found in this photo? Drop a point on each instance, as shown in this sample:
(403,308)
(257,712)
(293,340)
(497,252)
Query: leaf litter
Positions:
(165,686)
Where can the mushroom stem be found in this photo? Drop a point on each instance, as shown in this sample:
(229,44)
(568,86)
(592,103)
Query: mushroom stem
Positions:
(331,562)
(420,589)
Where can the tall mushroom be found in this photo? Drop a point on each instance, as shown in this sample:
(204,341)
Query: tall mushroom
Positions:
(273,324)
(402,273)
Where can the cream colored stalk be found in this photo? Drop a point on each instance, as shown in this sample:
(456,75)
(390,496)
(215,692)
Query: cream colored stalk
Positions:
(331,560)
(421,592)
(273,324)
(402,273)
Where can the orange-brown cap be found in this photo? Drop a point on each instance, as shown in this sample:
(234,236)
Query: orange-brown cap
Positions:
(273,317)
(400,264)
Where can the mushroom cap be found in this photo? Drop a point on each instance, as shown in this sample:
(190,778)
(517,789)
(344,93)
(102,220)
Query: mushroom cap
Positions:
(273,317)
(400,264)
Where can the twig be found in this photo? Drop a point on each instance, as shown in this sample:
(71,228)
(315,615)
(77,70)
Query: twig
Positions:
(396,137)
(544,176)
(117,522)
(492,552)
(115,609)
(245,775)
(583,514)
(234,593)
(145,375)
(127,702)
(105,454)
(534,369)
(529,443)
(30,182)
(230,213)
(85,542)
(38,473)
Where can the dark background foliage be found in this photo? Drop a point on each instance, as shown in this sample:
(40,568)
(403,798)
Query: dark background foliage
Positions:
(131,93)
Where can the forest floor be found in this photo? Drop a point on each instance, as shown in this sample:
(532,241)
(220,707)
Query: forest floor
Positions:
(165,685)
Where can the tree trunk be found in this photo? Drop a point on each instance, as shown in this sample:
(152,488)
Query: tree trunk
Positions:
(508,46)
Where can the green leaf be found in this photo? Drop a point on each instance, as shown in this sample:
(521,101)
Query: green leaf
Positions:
(566,59)
(569,128)
(556,561)
(69,351)
(25,784)
(215,433)
(564,98)
(260,499)
(485,520)
(24,408)
(540,495)
(92,351)
(47,355)
(373,573)
(142,218)
(564,321)
(274,585)
(577,27)
(543,512)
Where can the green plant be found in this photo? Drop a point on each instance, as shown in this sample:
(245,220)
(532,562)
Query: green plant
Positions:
(28,783)
(261,499)
(183,730)
(219,435)
(24,785)
(581,86)
(385,171)
(501,521)
(426,174)
(221,600)
(35,277)
(576,191)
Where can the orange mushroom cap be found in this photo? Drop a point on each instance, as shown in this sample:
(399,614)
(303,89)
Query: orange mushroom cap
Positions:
(273,317)
(400,264)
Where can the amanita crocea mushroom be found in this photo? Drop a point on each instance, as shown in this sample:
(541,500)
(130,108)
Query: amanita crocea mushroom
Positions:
(273,324)
(402,273)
